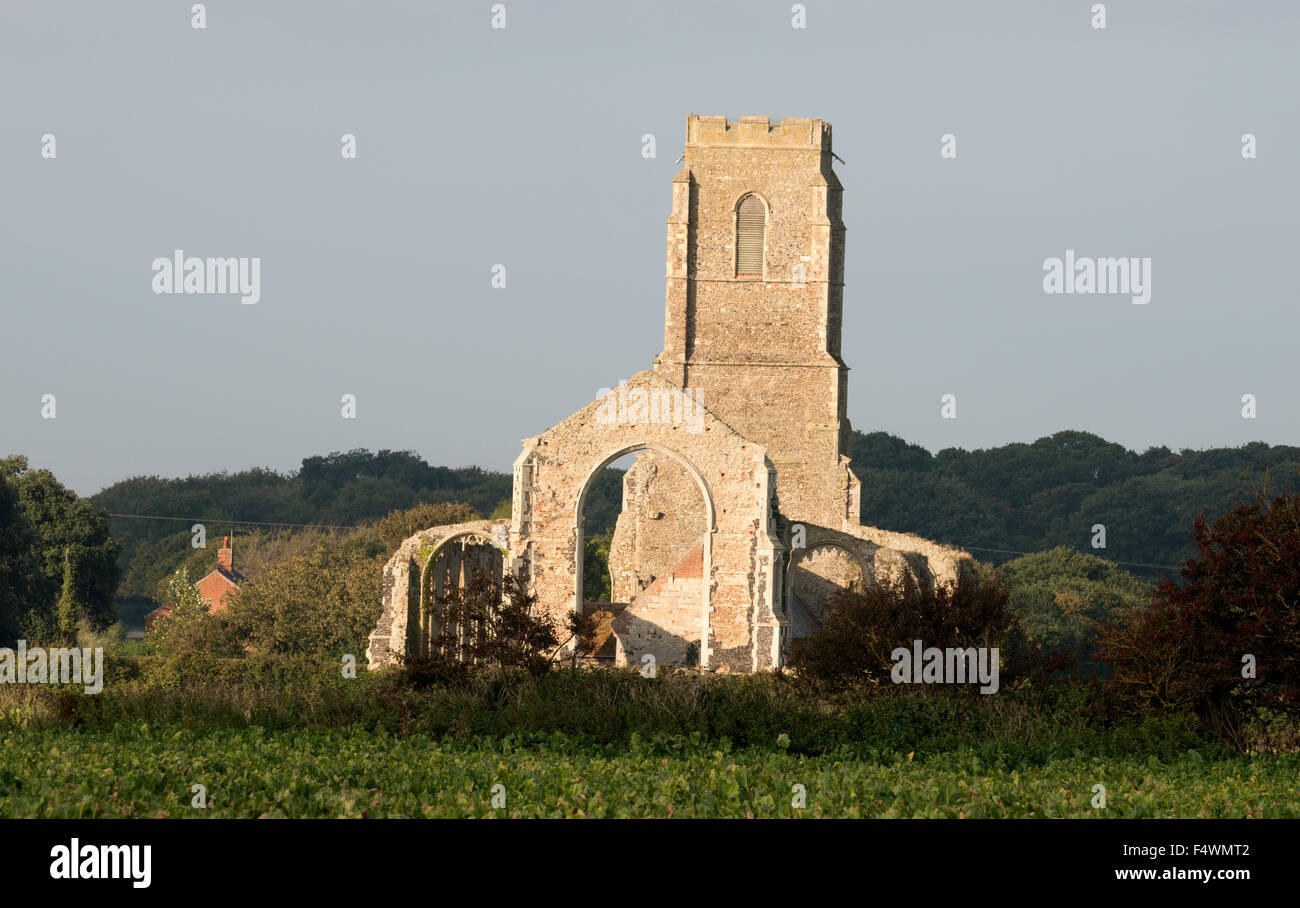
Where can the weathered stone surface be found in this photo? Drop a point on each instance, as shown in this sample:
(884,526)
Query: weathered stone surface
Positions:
(740,430)
(732,477)
(662,518)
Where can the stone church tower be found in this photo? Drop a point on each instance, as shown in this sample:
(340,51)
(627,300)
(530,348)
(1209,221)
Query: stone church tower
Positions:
(740,519)
(755,299)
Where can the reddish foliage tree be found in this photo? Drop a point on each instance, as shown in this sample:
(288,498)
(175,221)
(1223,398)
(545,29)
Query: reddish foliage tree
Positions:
(1240,597)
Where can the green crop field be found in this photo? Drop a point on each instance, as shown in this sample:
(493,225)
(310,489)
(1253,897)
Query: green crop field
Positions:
(142,770)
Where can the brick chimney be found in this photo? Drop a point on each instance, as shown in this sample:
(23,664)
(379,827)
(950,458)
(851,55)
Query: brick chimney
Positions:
(225,556)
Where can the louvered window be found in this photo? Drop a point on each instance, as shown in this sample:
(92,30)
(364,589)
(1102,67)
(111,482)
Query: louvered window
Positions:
(749,237)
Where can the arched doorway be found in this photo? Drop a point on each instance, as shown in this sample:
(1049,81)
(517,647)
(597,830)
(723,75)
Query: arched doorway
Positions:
(453,564)
(817,575)
(660,560)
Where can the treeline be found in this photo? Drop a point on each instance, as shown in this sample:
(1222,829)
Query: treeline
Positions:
(1053,492)
(1022,497)
(341,489)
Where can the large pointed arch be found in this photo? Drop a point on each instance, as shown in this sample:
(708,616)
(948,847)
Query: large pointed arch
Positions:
(710,520)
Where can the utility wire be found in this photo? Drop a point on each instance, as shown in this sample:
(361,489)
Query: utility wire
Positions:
(261,523)
(247,523)
(1165,567)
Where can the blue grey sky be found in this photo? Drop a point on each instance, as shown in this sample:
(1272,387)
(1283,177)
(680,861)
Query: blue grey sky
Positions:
(522,146)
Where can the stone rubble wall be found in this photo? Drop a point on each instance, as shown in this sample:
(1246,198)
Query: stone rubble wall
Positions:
(736,476)
(662,518)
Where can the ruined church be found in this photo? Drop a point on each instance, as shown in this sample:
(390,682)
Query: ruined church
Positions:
(740,519)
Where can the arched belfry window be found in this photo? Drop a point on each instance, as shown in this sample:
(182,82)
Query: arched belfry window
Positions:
(751,221)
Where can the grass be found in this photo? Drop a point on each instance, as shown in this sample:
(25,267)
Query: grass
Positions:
(142,770)
(277,737)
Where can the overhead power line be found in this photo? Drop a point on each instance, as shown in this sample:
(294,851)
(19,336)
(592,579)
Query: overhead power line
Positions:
(1164,567)
(246,523)
(342,526)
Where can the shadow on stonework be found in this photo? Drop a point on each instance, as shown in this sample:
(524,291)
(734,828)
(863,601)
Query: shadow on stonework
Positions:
(634,637)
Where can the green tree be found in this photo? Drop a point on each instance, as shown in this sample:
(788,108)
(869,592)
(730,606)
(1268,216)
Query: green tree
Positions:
(401,525)
(17,564)
(595,567)
(1063,597)
(928,503)
(70,608)
(188,627)
(59,520)
(322,603)
(882,451)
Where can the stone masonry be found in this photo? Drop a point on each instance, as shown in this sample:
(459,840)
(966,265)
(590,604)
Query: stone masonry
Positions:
(740,520)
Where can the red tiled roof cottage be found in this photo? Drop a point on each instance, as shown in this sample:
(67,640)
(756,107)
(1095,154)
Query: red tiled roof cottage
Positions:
(213,588)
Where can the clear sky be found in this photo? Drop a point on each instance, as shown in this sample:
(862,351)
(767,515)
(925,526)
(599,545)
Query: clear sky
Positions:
(522,146)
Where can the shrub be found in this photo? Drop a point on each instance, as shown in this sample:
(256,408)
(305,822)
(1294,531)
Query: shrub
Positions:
(864,628)
(399,526)
(484,623)
(322,603)
(1240,597)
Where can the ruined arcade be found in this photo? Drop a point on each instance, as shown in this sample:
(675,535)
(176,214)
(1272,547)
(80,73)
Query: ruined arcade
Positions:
(740,516)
